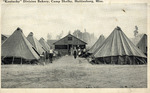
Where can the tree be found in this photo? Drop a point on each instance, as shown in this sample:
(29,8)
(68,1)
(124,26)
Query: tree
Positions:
(77,33)
(69,32)
(85,36)
(60,35)
(136,31)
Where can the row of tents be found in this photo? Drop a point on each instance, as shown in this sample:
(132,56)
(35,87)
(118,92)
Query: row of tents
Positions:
(117,48)
(18,48)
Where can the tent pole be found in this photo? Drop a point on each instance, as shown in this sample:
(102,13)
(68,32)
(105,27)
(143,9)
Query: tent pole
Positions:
(125,59)
(13,60)
(111,59)
(103,60)
(68,48)
(137,61)
(21,60)
(133,60)
(144,60)
(45,57)
(72,50)
(119,60)
(3,58)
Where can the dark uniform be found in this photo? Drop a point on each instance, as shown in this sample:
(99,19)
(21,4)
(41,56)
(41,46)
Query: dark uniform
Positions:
(51,56)
(75,54)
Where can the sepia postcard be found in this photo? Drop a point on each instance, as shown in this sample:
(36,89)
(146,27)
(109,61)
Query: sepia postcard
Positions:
(74,46)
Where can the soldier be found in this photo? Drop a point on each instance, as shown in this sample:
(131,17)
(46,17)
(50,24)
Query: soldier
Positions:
(51,55)
(79,52)
(75,53)
(84,52)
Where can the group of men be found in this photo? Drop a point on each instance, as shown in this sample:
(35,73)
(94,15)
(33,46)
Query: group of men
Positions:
(48,55)
(75,52)
(78,52)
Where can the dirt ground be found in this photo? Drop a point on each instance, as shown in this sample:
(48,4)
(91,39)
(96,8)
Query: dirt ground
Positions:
(68,72)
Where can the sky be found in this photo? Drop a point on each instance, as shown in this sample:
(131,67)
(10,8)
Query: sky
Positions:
(42,19)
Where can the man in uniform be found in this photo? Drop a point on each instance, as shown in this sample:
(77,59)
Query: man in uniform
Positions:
(75,53)
(51,55)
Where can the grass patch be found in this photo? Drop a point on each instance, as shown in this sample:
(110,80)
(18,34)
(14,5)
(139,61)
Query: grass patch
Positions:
(70,73)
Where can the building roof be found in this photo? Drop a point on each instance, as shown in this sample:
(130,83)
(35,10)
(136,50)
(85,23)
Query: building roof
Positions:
(64,41)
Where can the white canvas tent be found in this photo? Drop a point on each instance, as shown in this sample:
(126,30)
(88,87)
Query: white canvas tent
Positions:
(118,49)
(97,44)
(44,44)
(17,46)
(35,43)
(141,42)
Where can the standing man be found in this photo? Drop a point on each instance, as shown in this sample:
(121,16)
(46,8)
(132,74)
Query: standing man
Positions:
(83,53)
(75,53)
(79,52)
(51,55)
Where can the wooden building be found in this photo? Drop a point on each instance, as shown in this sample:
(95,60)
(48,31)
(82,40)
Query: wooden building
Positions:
(69,42)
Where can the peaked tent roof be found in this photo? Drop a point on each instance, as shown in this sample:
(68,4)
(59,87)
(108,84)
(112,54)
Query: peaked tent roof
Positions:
(143,38)
(44,44)
(50,43)
(18,46)
(142,44)
(3,38)
(97,44)
(116,44)
(35,43)
(5,35)
(136,39)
